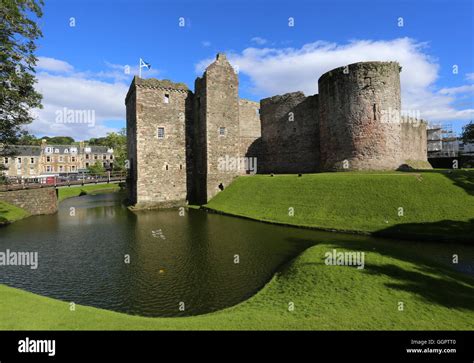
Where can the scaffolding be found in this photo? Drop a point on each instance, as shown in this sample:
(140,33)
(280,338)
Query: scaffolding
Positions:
(442,141)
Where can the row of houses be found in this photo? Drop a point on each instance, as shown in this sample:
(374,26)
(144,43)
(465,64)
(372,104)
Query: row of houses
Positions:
(27,161)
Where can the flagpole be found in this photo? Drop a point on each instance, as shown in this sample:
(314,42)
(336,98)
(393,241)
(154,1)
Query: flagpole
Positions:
(140,68)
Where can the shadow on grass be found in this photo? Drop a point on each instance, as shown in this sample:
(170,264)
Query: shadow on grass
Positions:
(461,178)
(438,290)
(444,231)
(430,280)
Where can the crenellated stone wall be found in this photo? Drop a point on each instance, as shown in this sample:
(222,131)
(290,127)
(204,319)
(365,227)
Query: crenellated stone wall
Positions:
(414,143)
(158,114)
(353,100)
(290,133)
(354,123)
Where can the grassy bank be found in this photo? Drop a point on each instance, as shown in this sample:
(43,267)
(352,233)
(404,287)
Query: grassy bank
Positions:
(10,213)
(75,191)
(426,205)
(324,297)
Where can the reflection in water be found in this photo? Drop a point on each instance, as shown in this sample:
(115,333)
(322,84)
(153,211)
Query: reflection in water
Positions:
(173,258)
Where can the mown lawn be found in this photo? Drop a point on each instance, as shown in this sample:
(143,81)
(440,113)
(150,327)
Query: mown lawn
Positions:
(10,213)
(430,205)
(324,297)
(75,191)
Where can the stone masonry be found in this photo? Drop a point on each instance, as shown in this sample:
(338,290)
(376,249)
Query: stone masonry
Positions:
(186,147)
(34,201)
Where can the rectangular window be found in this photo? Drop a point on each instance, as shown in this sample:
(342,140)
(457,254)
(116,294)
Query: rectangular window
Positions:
(221,131)
(48,168)
(161,133)
(61,159)
(73,158)
(104,157)
(32,160)
(73,168)
(48,159)
(95,157)
(61,168)
(87,156)
(6,160)
(166,98)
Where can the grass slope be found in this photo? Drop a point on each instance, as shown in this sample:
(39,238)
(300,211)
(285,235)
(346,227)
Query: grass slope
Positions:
(435,205)
(10,213)
(75,191)
(325,297)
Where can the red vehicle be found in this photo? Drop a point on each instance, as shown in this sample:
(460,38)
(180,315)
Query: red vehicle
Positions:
(50,180)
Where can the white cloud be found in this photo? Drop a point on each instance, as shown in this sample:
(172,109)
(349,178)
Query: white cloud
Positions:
(258,40)
(470,76)
(101,92)
(53,65)
(279,70)
(455,90)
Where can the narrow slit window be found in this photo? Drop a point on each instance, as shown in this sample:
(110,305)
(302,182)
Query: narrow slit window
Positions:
(221,131)
(166,98)
(161,133)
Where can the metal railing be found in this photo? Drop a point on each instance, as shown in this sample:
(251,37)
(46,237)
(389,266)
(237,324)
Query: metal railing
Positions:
(17,183)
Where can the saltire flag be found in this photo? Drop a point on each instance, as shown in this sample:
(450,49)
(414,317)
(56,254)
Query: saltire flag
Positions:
(143,64)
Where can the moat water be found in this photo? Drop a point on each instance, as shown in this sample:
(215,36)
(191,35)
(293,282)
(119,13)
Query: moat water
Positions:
(177,265)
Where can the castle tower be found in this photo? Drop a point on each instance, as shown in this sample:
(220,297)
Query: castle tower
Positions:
(158,113)
(360,117)
(216,129)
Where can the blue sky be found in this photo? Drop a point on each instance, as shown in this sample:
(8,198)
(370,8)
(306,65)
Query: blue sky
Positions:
(82,66)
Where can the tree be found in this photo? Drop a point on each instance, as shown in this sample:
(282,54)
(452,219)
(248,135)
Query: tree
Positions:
(59,140)
(468,133)
(116,141)
(96,168)
(18,96)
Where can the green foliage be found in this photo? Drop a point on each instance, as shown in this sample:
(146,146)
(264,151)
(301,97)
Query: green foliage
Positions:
(436,205)
(58,140)
(9,213)
(75,191)
(96,168)
(468,132)
(116,141)
(18,33)
(325,297)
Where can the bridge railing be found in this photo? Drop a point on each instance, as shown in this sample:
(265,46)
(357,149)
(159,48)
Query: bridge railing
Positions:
(16,183)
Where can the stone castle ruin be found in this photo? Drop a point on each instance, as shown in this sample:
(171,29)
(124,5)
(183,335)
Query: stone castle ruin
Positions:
(186,147)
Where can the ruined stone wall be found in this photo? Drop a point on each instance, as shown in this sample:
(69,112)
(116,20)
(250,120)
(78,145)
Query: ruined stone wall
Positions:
(250,130)
(352,103)
(290,133)
(131,112)
(161,161)
(200,143)
(34,201)
(414,142)
(220,95)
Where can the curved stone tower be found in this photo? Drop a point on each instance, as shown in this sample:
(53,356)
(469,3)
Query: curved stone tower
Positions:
(360,117)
